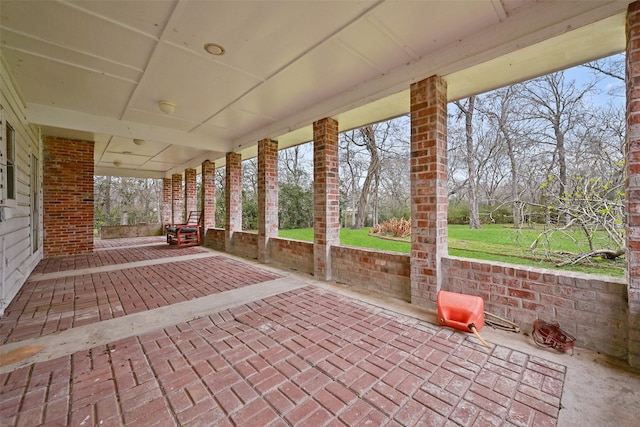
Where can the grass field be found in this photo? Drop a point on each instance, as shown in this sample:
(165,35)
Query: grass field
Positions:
(491,242)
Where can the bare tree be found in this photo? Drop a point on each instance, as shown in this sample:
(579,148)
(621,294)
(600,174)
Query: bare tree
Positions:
(612,67)
(250,194)
(394,192)
(502,109)
(467,109)
(295,193)
(595,208)
(107,200)
(352,170)
(369,138)
(295,165)
(456,165)
(221,191)
(557,108)
(366,137)
(137,197)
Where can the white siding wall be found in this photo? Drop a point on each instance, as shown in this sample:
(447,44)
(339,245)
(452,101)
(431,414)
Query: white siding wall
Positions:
(18,256)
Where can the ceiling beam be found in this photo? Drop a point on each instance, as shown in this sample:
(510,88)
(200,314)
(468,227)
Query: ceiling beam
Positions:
(127,173)
(196,163)
(67,119)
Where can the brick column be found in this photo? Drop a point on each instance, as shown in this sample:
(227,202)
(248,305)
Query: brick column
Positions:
(67,197)
(428,188)
(190,192)
(326,195)
(209,194)
(233,197)
(176,199)
(166,214)
(632,166)
(267,196)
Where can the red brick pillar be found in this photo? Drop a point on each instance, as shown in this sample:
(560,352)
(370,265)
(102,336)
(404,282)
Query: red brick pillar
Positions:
(233,197)
(67,197)
(166,201)
(632,165)
(190,192)
(176,199)
(267,196)
(209,194)
(326,195)
(428,188)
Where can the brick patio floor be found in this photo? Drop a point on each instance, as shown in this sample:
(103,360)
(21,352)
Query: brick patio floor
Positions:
(309,356)
(107,253)
(45,306)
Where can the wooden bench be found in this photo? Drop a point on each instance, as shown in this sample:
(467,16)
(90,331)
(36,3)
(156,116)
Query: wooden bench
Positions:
(187,234)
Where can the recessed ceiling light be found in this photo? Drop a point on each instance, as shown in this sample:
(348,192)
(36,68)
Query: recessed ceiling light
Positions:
(117,163)
(214,49)
(138,141)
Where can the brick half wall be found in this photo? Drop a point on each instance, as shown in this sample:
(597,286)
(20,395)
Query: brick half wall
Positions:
(291,254)
(68,197)
(214,238)
(591,308)
(386,273)
(244,244)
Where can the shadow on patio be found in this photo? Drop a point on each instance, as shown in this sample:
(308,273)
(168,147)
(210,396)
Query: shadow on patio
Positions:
(140,333)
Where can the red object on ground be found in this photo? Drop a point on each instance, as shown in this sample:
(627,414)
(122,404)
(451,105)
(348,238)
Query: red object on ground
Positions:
(459,311)
(547,334)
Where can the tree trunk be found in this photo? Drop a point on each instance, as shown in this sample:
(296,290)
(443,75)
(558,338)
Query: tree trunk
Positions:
(376,200)
(503,110)
(107,198)
(515,205)
(562,165)
(363,202)
(474,214)
(350,220)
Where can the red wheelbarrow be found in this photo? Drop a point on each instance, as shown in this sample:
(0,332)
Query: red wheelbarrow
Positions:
(462,312)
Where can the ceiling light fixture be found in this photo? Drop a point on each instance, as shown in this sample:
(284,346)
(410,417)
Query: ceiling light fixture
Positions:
(214,49)
(167,107)
(138,141)
(117,163)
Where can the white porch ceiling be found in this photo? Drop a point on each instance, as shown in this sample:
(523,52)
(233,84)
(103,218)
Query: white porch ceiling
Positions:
(97,69)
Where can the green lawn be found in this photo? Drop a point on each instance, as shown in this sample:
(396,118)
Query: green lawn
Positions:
(348,236)
(491,242)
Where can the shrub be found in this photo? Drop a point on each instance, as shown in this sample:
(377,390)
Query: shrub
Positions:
(458,213)
(394,227)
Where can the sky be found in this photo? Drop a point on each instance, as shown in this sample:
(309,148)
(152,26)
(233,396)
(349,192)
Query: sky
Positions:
(583,75)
